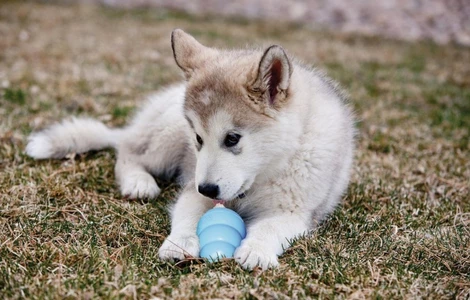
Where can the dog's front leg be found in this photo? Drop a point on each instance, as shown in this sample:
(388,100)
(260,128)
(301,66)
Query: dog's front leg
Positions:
(183,241)
(267,238)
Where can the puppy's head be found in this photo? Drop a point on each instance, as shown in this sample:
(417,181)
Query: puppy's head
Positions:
(235,103)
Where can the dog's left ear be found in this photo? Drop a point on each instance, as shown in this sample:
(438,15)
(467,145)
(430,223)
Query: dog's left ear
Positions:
(189,53)
(273,79)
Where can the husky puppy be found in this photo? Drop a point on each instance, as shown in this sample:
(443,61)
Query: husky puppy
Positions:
(256,130)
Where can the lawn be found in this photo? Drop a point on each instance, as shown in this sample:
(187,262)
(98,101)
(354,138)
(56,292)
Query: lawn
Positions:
(403,230)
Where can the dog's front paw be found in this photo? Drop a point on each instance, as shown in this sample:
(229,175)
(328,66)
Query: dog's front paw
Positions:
(254,253)
(139,185)
(179,247)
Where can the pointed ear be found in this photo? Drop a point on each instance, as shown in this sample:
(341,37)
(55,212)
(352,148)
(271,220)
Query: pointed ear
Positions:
(189,54)
(273,77)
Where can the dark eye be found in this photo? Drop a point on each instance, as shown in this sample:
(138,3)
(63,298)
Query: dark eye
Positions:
(199,140)
(231,139)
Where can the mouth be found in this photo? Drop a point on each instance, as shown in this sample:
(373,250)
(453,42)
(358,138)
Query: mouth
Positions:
(217,201)
(220,201)
(240,194)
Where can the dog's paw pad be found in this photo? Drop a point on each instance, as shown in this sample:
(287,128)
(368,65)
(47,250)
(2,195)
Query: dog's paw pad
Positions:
(178,248)
(253,253)
(140,185)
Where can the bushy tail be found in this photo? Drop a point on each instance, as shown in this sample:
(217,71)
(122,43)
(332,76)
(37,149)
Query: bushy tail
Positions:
(71,136)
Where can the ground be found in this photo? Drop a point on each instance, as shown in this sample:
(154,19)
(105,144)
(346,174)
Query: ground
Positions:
(403,230)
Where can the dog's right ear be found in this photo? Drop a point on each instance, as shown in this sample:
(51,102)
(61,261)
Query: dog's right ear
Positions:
(272,79)
(189,54)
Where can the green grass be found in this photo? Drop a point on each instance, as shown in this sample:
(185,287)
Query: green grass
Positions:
(15,96)
(403,230)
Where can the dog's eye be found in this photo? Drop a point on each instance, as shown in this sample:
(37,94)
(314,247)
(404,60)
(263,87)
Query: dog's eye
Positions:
(198,139)
(231,139)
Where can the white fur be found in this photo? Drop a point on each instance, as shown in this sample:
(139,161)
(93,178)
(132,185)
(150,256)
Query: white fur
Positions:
(218,166)
(39,146)
(293,171)
(71,136)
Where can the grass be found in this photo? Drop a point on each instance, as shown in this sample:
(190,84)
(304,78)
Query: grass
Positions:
(65,231)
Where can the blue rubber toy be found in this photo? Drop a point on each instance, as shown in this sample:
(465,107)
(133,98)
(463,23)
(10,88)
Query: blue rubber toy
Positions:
(220,231)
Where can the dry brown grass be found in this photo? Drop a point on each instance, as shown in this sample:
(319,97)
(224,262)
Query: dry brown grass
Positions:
(404,228)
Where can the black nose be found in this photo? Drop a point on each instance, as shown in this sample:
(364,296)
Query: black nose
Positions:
(209,190)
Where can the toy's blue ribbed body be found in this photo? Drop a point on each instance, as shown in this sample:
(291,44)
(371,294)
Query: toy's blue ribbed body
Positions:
(220,231)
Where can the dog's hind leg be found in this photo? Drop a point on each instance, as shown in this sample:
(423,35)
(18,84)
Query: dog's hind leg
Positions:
(147,153)
(133,179)
(159,148)
(136,167)
(154,144)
